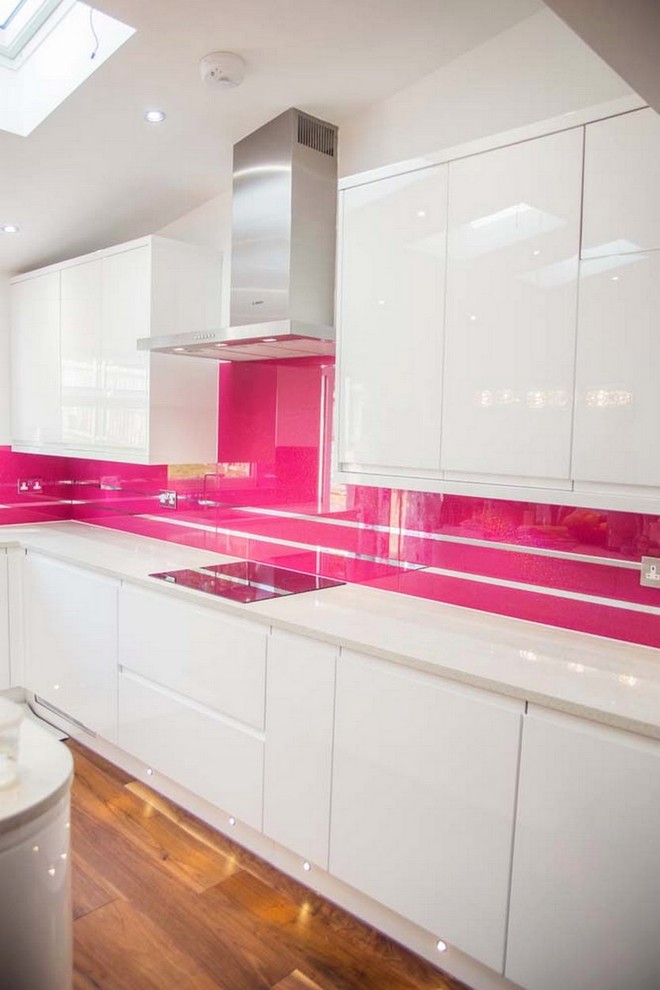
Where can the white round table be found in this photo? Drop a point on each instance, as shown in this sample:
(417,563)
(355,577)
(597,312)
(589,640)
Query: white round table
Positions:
(35,868)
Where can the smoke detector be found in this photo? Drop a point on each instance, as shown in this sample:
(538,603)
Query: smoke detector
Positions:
(223,69)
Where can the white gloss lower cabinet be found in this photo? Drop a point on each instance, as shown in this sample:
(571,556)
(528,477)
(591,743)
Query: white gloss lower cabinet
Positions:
(209,657)
(5,671)
(424,785)
(617,412)
(585,899)
(299,727)
(391,323)
(194,745)
(512,279)
(70,617)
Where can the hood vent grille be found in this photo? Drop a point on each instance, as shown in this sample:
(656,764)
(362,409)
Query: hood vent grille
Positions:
(317,135)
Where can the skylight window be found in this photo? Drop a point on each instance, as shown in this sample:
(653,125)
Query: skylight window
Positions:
(8,11)
(21,21)
(47,49)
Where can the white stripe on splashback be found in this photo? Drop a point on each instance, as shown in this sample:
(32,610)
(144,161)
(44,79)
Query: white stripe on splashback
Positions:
(471,541)
(539,589)
(313,547)
(536,589)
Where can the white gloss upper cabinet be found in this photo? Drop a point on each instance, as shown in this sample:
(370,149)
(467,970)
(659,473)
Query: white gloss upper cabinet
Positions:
(585,898)
(299,725)
(125,397)
(423,795)
(70,629)
(81,326)
(617,418)
(512,271)
(114,401)
(621,190)
(35,362)
(391,323)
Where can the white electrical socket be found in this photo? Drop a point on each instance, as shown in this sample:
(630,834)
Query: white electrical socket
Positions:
(650,575)
(168,499)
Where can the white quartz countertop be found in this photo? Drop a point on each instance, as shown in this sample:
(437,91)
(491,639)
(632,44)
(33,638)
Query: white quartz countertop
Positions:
(602,679)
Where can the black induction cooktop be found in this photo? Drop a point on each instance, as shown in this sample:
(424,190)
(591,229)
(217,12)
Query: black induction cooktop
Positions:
(247,580)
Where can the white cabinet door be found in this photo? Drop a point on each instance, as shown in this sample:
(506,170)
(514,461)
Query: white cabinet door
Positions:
(35,362)
(617,418)
(124,409)
(424,783)
(116,402)
(193,745)
(391,323)
(71,641)
(80,348)
(5,671)
(196,651)
(186,287)
(512,269)
(585,899)
(621,192)
(299,724)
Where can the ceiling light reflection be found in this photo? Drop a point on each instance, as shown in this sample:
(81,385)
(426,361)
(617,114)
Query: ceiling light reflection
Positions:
(600,398)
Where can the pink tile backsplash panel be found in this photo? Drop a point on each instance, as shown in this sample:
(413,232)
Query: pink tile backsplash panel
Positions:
(268,498)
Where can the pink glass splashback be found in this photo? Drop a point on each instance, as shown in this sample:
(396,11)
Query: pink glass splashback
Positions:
(268,498)
(52,499)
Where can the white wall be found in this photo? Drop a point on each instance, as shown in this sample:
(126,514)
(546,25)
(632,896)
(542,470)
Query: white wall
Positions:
(210,225)
(5,424)
(533,71)
(626,35)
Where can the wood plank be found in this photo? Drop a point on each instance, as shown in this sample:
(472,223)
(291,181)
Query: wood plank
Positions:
(349,956)
(254,929)
(111,770)
(107,938)
(227,949)
(192,862)
(89,890)
(297,981)
(242,857)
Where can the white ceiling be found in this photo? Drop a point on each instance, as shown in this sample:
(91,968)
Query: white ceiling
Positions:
(94,173)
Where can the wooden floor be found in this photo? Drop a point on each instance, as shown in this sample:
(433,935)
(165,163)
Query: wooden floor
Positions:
(163,901)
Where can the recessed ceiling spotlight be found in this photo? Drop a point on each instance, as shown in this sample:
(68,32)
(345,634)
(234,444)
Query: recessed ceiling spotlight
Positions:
(9,228)
(154,116)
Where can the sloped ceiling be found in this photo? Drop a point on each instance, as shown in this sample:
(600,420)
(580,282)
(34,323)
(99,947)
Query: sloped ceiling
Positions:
(94,173)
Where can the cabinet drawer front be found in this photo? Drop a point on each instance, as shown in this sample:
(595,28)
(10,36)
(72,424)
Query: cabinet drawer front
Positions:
(220,762)
(217,661)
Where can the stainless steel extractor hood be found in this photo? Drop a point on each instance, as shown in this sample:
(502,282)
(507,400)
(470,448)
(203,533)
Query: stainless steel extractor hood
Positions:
(283,248)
